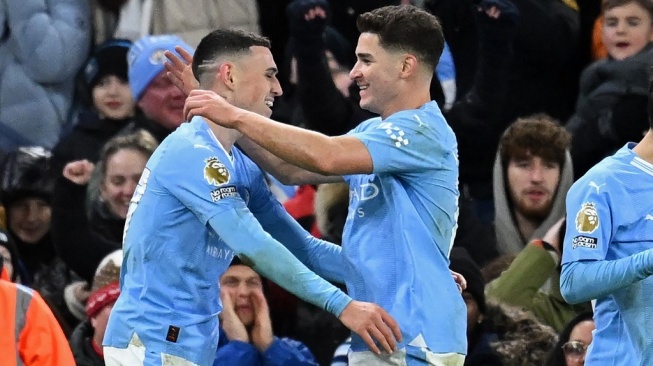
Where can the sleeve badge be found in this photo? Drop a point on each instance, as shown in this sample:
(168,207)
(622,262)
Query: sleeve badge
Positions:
(587,218)
(215,172)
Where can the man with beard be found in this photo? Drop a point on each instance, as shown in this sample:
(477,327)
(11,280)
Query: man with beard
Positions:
(532,174)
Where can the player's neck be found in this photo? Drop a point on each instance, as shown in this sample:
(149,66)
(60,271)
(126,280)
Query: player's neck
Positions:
(409,98)
(644,148)
(226,136)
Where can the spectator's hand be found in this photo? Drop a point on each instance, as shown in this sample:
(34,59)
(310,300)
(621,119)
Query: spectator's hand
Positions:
(261,332)
(208,104)
(180,71)
(553,234)
(461,282)
(307,18)
(372,323)
(229,320)
(499,9)
(78,172)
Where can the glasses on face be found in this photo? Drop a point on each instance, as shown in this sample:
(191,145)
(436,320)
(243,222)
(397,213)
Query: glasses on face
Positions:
(575,349)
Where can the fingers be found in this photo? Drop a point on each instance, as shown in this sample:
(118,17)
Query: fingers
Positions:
(392,324)
(385,340)
(260,305)
(184,54)
(370,342)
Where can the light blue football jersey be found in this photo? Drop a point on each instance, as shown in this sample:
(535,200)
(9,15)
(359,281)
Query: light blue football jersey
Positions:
(610,216)
(401,225)
(172,259)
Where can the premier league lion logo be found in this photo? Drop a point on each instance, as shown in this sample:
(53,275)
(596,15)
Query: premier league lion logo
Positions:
(215,172)
(587,219)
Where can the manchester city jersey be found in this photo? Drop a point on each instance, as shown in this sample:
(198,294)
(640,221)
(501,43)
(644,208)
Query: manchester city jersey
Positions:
(613,219)
(172,259)
(400,228)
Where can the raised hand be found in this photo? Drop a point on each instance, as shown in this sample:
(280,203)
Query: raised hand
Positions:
(261,332)
(229,320)
(372,323)
(208,104)
(79,172)
(552,236)
(180,71)
(307,18)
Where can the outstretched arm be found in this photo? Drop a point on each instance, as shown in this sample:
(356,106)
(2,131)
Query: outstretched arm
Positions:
(320,256)
(240,230)
(340,155)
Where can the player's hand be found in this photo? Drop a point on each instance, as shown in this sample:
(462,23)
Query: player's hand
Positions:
(461,282)
(261,332)
(208,104)
(179,71)
(229,320)
(372,323)
(78,172)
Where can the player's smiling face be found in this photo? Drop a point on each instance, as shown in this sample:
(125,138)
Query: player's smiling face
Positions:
(256,82)
(376,73)
(627,29)
(532,184)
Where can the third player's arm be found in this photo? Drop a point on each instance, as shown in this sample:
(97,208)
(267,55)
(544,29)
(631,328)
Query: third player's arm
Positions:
(587,280)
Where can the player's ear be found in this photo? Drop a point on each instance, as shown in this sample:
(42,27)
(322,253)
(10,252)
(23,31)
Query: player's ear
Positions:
(226,75)
(409,65)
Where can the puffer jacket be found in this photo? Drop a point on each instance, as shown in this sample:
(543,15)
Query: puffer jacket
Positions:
(43,44)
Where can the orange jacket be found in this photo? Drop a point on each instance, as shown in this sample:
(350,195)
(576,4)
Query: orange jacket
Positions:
(31,335)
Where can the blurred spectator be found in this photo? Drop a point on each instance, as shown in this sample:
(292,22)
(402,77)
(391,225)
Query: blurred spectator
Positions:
(573,342)
(31,335)
(110,106)
(11,264)
(43,44)
(160,101)
(26,193)
(532,174)
(498,334)
(133,19)
(86,340)
(611,105)
(89,218)
(522,283)
(246,334)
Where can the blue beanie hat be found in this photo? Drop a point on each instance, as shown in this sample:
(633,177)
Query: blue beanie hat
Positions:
(146,60)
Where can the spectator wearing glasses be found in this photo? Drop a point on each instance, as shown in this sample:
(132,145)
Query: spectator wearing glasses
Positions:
(573,342)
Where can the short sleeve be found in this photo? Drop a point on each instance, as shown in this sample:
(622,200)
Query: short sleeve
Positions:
(589,222)
(407,142)
(201,178)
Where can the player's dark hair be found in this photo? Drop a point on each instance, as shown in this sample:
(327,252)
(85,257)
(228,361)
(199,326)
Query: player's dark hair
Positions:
(611,4)
(406,28)
(223,42)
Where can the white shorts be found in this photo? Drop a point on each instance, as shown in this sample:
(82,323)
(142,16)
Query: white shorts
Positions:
(400,358)
(136,355)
